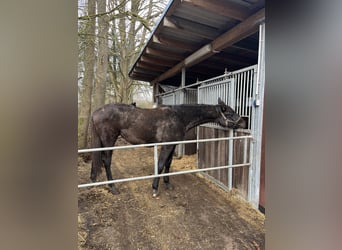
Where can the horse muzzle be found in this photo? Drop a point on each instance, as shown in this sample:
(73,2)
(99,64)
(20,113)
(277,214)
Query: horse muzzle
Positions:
(242,123)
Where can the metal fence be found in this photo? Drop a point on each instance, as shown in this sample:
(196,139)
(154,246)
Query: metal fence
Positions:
(239,89)
(180,96)
(243,90)
(235,88)
(155,157)
(208,93)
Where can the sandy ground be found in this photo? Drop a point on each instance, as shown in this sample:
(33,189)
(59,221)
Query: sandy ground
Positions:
(196,214)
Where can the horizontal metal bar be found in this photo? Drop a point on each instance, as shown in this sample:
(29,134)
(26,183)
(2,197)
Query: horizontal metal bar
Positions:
(162,175)
(215,83)
(253,67)
(213,125)
(193,84)
(161,144)
(175,90)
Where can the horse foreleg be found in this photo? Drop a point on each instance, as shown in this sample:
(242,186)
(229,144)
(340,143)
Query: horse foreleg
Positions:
(163,157)
(107,160)
(155,183)
(167,169)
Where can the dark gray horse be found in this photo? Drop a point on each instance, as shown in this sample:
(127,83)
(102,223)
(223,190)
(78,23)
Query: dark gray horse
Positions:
(162,124)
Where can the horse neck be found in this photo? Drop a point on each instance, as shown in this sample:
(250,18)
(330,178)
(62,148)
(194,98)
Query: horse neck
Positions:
(194,115)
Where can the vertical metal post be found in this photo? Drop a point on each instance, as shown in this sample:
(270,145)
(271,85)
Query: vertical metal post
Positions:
(231,103)
(156,92)
(253,133)
(254,173)
(245,151)
(230,160)
(155,157)
(183,77)
(180,147)
(248,100)
(238,90)
(243,93)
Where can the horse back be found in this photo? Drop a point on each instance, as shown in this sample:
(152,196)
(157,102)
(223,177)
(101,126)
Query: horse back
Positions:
(139,125)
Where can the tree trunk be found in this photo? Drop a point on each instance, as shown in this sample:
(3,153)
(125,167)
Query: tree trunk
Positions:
(102,56)
(129,32)
(87,85)
(127,48)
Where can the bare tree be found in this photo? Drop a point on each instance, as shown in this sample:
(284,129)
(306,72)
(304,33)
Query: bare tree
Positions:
(129,31)
(88,56)
(111,35)
(102,56)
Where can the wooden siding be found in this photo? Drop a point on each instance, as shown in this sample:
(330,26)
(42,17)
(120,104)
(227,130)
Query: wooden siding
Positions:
(212,154)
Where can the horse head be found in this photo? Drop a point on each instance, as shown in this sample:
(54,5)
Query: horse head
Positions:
(228,117)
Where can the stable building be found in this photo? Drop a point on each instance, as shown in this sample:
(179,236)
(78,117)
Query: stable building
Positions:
(201,50)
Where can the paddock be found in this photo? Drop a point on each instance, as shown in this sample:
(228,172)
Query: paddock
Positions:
(201,50)
(195,215)
(194,43)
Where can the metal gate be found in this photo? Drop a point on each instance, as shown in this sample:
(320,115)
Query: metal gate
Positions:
(180,96)
(238,90)
(235,88)
(242,91)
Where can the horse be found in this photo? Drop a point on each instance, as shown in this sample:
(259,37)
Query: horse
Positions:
(162,124)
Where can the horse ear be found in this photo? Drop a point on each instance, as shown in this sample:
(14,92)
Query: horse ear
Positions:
(222,104)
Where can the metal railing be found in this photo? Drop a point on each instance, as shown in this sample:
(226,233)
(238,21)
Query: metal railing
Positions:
(155,156)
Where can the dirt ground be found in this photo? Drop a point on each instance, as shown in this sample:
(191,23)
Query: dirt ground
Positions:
(196,214)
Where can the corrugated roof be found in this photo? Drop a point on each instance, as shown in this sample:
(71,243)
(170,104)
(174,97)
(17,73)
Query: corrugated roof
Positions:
(205,37)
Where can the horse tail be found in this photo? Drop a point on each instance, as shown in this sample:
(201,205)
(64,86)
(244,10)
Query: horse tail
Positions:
(96,163)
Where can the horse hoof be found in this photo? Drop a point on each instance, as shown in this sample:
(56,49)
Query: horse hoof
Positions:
(155,193)
(169,186)
(114,191)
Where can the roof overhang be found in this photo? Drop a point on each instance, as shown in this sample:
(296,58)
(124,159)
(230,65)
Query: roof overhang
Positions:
(204,37)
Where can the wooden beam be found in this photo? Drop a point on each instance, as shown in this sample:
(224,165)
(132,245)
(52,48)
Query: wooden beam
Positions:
(140,77)
(147,65)
(167,22)
(146,72)
(240,31)
(199,55)
(163,54)
(157,61)
(221,7)
(173,6)
(150,71)
(194,58)
(168,42)
(191,28)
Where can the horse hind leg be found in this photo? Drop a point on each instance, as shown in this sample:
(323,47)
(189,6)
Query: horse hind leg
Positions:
(94,172)
(107,160)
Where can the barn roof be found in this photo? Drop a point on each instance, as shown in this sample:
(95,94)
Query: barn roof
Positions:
(205,37)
